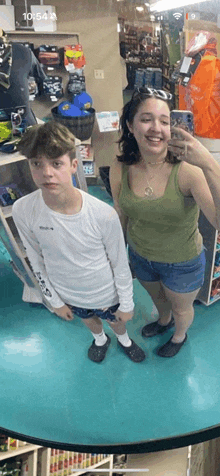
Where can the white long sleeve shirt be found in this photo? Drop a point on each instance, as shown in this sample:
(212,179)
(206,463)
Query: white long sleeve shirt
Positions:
(77,259)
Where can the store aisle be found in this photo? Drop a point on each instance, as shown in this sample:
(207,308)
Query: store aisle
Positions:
(51,391)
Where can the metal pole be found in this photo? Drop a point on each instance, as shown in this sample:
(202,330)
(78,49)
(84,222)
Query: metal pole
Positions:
(114,470)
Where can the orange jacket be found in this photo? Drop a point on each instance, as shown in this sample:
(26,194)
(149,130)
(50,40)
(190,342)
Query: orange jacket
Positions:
(202,97)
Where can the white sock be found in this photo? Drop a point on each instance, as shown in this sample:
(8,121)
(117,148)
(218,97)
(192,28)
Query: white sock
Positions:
(100,339)
(124,339)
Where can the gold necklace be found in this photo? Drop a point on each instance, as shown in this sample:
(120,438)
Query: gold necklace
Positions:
(157,163)
(149,192)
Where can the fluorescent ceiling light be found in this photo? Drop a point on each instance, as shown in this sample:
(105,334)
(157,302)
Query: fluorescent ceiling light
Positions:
(147,4)
(140,9)
(163,5)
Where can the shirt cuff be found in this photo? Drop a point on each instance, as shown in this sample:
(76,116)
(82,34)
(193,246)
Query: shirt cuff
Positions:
(129,307)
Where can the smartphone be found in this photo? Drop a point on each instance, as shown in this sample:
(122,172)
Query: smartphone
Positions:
(182,119)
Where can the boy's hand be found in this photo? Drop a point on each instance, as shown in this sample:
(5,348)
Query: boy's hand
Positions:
(64,312)
(123,316)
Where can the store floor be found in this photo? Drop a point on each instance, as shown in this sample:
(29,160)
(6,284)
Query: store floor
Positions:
(52,393)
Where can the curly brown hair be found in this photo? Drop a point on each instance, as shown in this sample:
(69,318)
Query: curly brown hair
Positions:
(50,140)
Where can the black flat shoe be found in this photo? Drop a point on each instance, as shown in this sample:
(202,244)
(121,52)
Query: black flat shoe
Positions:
(97,353)
(155,328)
(170,348)
(134,352)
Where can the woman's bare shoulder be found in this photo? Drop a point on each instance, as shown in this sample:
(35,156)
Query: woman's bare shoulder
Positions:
(186,174)
(116,170)
(116,164)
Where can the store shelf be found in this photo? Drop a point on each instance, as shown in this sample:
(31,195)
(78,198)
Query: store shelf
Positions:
(7,211)
(94,466)
(41,461)
(39,33)
(209,235)
(20,451)
(10,158)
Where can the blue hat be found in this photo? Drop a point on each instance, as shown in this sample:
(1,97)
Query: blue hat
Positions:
(83,101)
(66,108)
(84,112)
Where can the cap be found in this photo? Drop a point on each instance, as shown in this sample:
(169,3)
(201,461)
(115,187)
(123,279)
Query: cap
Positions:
(83,100)
(66,108)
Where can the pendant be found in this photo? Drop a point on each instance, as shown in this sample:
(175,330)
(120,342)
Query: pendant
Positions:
(148,192)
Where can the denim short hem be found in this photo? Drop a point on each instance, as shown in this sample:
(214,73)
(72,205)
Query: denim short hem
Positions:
(183,291)
(84,313)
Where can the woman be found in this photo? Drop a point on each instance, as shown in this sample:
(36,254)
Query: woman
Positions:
(158,198)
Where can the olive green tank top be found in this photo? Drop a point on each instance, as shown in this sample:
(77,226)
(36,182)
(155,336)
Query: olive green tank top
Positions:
(165,229)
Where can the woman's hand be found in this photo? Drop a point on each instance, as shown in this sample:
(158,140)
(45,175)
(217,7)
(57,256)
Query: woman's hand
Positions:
(64,312)
(188,148)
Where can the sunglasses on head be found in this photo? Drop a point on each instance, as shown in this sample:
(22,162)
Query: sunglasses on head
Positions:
(158,93)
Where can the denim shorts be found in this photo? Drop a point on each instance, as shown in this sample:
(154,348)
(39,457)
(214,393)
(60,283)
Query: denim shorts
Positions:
(87,313)
(183,277)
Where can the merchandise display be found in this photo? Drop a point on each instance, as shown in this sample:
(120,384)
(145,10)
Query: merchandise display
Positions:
(33,88)
(52,87)
(81,126)
(17,66)
(16,460)
(12,125)
(65,462)
(9,194)
(149,77)
(73,57)
(48,55)
(76,82)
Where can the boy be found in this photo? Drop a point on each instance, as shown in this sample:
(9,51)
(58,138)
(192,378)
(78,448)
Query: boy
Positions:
(74,242)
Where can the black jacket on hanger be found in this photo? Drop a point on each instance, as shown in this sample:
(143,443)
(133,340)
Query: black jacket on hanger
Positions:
(24,64)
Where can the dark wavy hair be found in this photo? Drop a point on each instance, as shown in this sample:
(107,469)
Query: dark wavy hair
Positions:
(127,143)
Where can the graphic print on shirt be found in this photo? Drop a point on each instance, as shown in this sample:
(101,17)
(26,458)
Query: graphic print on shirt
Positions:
(42,284)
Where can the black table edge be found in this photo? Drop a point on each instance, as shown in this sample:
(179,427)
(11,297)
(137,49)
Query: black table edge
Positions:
(149,446)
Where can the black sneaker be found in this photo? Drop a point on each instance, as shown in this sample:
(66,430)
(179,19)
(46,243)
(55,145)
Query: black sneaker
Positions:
(155,328)
(170,348)
(97,353)
(135,353)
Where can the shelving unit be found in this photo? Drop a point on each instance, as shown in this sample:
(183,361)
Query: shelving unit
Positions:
(41,461)
(42,105)
(210,235)
(86,154)
(28,454)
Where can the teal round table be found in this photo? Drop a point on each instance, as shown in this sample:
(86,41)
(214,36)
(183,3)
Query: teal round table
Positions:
(52,394)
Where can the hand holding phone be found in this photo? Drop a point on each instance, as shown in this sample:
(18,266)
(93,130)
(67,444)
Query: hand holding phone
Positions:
(184,146)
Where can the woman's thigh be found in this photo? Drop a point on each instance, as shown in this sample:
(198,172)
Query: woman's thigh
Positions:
(180,301)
